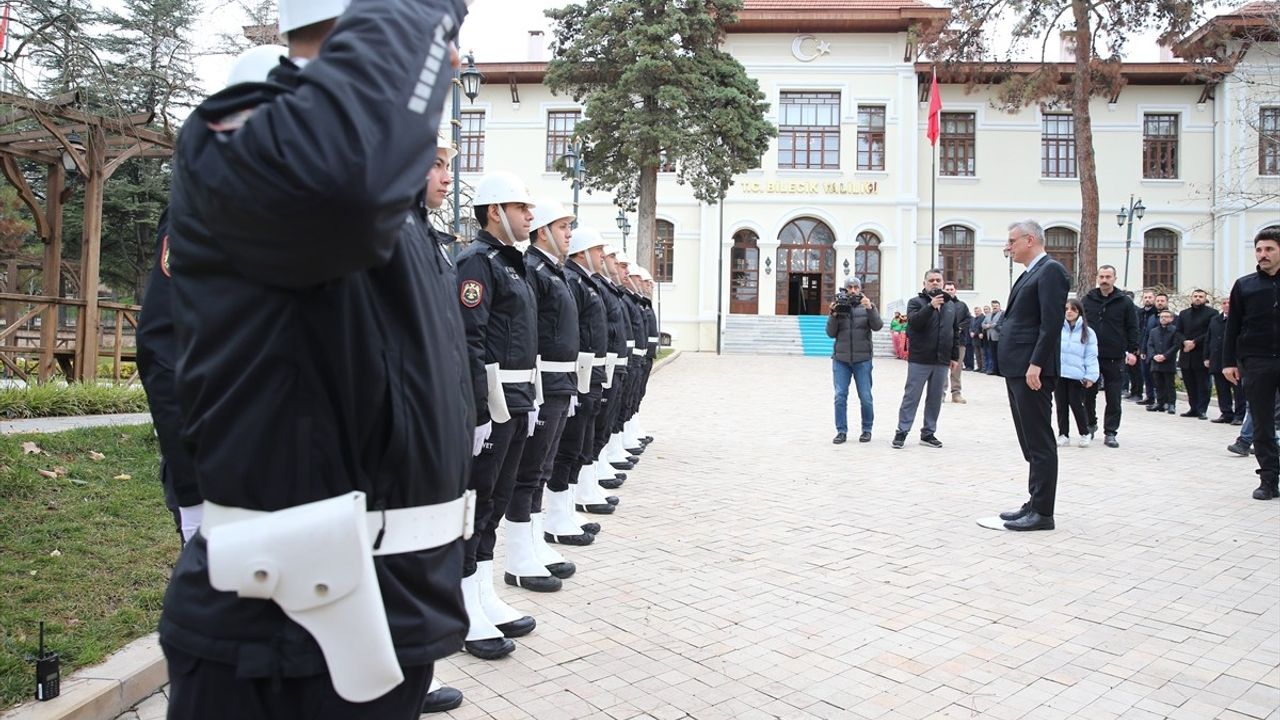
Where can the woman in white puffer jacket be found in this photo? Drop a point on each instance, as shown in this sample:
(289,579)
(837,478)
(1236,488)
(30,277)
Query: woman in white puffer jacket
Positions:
(1079,371)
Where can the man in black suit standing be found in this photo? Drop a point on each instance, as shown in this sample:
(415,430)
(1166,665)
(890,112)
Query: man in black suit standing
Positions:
(1030,339)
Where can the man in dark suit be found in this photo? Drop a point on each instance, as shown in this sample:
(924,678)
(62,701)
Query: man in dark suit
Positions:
(1030,340)
(1193,323)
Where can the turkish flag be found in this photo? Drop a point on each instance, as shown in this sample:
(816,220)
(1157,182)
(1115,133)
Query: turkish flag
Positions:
(935,107)
(4,28)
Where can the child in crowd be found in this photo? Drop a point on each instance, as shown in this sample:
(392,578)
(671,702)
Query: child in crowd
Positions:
(1163,343)
(1079,371)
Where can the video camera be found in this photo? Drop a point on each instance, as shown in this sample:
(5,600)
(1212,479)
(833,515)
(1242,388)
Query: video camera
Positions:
(935,292)
(845,300)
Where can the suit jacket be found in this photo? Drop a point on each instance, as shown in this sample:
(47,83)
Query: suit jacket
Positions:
(1193,323)
(1217,331)
(1031,329)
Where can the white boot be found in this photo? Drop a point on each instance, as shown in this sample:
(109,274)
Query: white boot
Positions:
(614,451)
(523,567)
(640,431)
(561,521)
(631,441)
(589,497)
(506,619)
(552,560)
(600,470)
(480,627)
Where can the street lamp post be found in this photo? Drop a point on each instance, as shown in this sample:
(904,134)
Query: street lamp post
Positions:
(573,163)
(625,226)
(1125,220)
(657,282)
(464,82)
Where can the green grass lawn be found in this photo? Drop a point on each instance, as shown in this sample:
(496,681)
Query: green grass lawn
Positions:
(87,551)
(663,352)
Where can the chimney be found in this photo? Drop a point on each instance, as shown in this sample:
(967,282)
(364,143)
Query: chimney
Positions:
(537,47)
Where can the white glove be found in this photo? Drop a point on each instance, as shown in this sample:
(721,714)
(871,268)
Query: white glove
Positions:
(573,405)
(189,518)
(533,421)
(482,434)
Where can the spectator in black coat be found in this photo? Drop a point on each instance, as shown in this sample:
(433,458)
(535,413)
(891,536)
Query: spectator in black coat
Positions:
(1230,397)
(1163,343)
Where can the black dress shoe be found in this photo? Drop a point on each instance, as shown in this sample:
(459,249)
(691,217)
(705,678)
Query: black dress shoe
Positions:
(1266,491)
(1155,408)
(839,439)
(591,528)
(1171,410)
(1221,419)
(612,483)
(585,538)
(1015,514)
(563,570)
(622,465)
(1239,447)
(490,649)
(536,583)
(865,437)
(1110,441)
(612,499)
(1237,420)
(1189,413)
(599,509)
(1202,416)
(1146,401)
(1031,521)
(517,628)
(635,451)
(443,699)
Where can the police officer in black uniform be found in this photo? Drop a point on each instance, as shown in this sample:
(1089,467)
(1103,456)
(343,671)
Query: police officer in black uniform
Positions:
(589,497)
(500,313)
(319,353)
(635,374)
(531,563)
(643,282)
(576,448)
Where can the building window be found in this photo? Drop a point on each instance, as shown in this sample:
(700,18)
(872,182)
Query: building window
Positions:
(809,131)
(664,250)
(956,145)
(956,253)
(1061,244)
(1160,259)
(560,125)
(1058,146)
(866,264)
(471,142)
(870,137)
(1269,141)
(1160,146)
(744,273)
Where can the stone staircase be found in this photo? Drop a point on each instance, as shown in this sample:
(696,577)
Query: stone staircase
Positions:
(788,335)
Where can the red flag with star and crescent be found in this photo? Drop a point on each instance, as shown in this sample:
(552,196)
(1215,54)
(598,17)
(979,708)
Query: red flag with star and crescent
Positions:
(935,109)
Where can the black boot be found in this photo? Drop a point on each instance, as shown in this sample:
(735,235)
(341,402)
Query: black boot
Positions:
(1267,490)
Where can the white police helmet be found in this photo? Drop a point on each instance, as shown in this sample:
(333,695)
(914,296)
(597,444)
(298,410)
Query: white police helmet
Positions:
(547,211)
(300,13)
(585,238)
(444,142)
(254,64)
(499,187)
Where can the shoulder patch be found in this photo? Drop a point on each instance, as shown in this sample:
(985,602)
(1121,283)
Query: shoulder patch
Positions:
(471,293)
(164,256)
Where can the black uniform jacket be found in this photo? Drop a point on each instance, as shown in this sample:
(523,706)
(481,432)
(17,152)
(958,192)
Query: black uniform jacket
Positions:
(593,326)
(651,327)
(557,320)
(639,328)
(500,312)
(1193,323)
(1253,327)
(619,321)
(320,348)
(157,355)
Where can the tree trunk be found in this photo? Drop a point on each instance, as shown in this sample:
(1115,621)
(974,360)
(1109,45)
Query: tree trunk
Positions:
(1081,91)
(647,223)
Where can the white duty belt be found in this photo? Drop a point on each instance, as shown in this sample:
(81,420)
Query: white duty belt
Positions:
(631,343)
(316,562)
(638,351)
(653,341)
(557,366)
(496,377)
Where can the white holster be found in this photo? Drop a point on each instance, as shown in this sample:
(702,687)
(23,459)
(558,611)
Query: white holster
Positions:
(497,399)
(314,562)
(537,385)
(610,362)
(584,371)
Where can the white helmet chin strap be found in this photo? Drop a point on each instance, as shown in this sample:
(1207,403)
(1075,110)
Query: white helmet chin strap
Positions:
(506,226)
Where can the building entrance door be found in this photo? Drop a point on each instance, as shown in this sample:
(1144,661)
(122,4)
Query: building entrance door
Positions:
(806,268)
(804,296)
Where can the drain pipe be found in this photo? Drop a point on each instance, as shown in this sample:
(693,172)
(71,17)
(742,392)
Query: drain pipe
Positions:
(720,282)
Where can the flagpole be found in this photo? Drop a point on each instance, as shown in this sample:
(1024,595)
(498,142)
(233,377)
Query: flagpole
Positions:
(933,205)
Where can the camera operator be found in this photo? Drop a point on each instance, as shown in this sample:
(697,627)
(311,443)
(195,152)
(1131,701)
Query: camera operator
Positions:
(852,320)
(933,335)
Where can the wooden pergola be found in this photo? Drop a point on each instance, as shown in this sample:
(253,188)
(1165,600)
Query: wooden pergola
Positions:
(105,143)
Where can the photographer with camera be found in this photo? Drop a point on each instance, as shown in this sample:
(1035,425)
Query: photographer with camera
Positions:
(852,320)
(934,323)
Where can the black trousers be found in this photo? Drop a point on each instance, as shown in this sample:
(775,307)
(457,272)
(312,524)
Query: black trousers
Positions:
(493,474)
(1032,418)
(1165,393)
(1262,383)
(1069,395)
(204,690)
(1196,377)
(576,442)
(610,406)
(1135,378)
(1230,397)
(1112,372)
(526,495)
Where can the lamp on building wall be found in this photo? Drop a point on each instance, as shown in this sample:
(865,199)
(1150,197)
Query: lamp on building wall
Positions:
(1125,219)
(466,83)
(658,253)
(846,267)
(573,164)
(625,226)
(768,266)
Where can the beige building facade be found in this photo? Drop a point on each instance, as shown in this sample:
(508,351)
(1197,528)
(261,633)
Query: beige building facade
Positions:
(846,187)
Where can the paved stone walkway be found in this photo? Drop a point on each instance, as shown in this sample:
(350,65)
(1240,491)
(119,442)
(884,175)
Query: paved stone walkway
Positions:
(754,570)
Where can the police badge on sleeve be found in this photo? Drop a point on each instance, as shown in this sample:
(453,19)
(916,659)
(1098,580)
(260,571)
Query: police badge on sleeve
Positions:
(471,293)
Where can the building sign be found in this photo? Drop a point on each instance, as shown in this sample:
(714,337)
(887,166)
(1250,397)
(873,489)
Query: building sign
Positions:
(809,187)
(807,48)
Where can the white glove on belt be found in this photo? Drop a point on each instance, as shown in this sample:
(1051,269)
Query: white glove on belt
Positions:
(189,519)
(573,405)
(533,421)
(482,434)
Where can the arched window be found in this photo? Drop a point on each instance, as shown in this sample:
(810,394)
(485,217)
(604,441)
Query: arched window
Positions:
(664,251)
(1160,259)
(866,264)
(806,267)
(955,254)
(1061,244)
(744,274)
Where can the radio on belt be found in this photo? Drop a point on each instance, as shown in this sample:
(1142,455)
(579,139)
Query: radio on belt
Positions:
(48,675)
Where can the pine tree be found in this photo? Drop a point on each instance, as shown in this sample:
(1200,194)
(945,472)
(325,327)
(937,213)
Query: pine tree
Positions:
(657,86)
